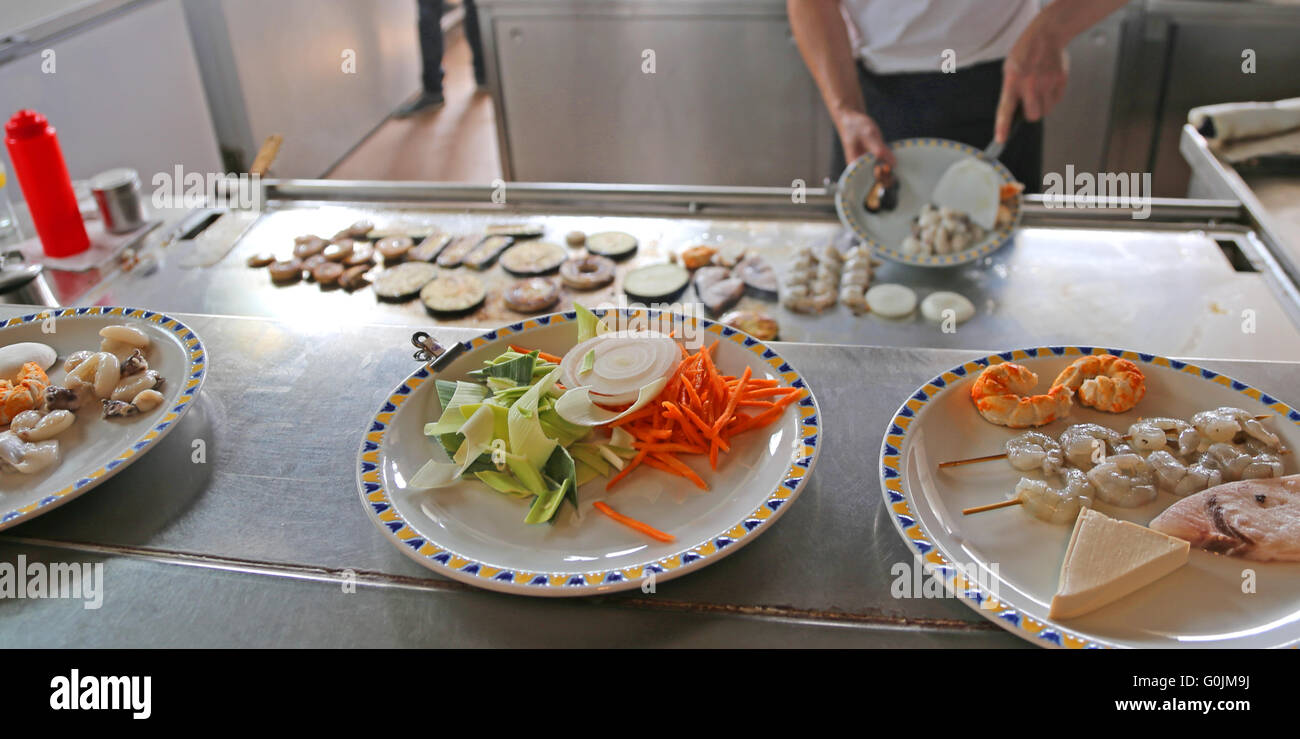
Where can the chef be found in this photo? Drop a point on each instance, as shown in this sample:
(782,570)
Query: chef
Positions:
(955,69)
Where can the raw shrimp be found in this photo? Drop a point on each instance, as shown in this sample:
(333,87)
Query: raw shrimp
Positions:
(1056,505)
(24,393)
(1124,480)
(1087,444)
(1254,462)
(1105,382)
(1150,434)
(1000,394)
(1181,479)
(1223,425)
(1035,450)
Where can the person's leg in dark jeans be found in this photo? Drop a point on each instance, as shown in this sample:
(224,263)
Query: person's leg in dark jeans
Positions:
(430,25)
(475,41)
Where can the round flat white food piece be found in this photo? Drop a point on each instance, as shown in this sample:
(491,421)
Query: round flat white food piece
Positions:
(891,301)
(936,304)
(14,356)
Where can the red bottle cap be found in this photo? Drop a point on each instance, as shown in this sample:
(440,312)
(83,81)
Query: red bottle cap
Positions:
(25,124)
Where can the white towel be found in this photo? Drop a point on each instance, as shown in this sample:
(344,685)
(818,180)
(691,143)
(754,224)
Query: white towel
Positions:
(1240,131)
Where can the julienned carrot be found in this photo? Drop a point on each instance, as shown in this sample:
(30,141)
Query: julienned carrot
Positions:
(698,412)
(638,459)
(632,523)
(540,354)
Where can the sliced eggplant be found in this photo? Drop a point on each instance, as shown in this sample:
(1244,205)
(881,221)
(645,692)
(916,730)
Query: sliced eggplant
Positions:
(429,249)
(758,276)
(404,281)
(656,282)
(533,258)
(483,255)
(516,230)
(534,295)
(612,244)
(394,248)
(453,292)
(455,253)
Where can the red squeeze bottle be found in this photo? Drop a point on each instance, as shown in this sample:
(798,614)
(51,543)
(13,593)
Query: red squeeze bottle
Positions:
(47,188)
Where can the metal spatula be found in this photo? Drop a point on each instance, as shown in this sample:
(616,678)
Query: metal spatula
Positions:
(972,185)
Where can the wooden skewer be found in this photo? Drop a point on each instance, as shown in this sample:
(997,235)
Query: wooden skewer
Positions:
(991,506)
(1003,455)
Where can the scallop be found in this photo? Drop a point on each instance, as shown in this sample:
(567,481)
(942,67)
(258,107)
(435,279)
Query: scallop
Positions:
(126,335)
(936,305)
(14,356)
(891,300)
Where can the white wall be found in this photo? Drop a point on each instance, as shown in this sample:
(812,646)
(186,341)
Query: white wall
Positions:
(276,67)
(124,92)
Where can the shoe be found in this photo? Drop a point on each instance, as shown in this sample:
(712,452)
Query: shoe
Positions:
(426,102)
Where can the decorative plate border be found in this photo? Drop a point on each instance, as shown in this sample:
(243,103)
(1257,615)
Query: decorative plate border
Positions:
(195,373)
(454,565)
(915,535)
(852,214)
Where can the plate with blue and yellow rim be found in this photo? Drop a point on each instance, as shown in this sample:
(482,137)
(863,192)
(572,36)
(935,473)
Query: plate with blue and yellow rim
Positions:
(94,448)
(469,533)
(921,164)
(1005,564)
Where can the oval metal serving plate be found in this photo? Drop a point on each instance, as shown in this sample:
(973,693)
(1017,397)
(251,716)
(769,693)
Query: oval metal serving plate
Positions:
(95,448)
(472,534)
(921,163)
(1200,605)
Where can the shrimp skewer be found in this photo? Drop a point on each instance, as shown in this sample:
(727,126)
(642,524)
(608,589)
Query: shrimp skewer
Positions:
(1051,504)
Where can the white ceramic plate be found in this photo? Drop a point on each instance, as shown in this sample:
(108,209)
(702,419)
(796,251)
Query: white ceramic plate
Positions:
(921,164)
(95,448)
(469,533)
(1200,605)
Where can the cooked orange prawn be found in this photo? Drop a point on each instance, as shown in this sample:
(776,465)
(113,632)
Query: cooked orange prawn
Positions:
(1105,382)
(1001,393)
(23,394)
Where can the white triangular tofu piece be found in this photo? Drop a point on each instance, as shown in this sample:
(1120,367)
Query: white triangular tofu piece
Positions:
(971,186)
(1107,559)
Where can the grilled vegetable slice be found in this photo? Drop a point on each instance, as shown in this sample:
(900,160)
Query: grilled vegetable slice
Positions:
(533,258)
(486,252)
(452,255)
(404,281)
(656,282)
(453,292)
(533,295)
(612,244)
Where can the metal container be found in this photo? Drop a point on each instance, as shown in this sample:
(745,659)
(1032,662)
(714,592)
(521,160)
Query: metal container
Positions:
(117,192)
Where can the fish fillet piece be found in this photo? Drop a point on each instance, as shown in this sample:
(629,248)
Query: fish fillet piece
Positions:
(1254,519)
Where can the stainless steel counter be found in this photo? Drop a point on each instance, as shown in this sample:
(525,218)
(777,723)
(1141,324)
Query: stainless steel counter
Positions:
(252,547)
(1168,284)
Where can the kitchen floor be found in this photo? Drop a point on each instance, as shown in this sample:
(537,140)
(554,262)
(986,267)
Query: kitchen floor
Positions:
(456,143)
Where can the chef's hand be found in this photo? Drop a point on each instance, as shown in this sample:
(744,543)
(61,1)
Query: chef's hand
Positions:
(1033,77)
(860,135)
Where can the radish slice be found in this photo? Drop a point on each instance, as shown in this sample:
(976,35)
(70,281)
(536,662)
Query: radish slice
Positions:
(936,304)
(621,364)
(891,301)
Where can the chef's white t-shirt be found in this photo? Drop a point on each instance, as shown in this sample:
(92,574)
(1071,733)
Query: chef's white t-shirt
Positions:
(894,36)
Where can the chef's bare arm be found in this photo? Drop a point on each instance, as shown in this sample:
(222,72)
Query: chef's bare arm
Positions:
(823,41)
(1035,72)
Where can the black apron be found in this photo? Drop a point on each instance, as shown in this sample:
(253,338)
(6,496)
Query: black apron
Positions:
(961,106)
